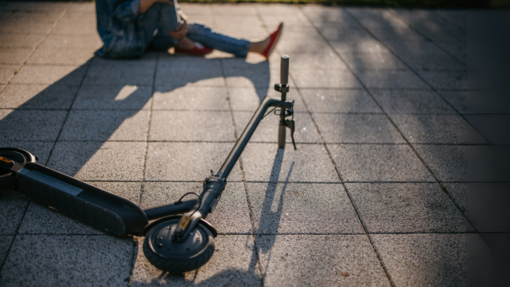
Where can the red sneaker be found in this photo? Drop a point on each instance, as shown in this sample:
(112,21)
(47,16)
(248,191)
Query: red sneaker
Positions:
(198,50)
(273,39)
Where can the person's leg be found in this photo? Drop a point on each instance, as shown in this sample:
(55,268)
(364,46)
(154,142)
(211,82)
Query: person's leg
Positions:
(204,35)
(159,18)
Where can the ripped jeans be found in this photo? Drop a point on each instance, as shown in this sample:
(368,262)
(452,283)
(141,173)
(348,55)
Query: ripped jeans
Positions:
(162,17)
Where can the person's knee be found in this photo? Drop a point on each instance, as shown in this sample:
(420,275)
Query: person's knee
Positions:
(197,29)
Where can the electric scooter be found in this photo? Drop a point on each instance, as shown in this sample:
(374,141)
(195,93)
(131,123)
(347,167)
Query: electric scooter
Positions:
(177,236)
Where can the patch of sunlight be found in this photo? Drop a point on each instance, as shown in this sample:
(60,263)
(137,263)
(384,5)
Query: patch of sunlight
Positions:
(125,92)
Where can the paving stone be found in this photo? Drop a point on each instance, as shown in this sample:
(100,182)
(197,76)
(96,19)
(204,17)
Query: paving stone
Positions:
(411,102)
(111,72)
(267,131)
(357,128)
(391,80)
(187,161)
(20,16)
(7,72)
(23,125)
(38,148)
(267,163)
(5,245)
(37,96)
(33,28)
(493,127)
(43,7)
(106,125)
(19,41)
(447,80)
(231,215)
(428,62)
(14,56)
(424,259)
(41,219)
(325,260)
(458,193)
(325,79)
(376,17)
(72,41)
(234,262)
(113,97)
(66,56)
(437,129)
(191,99)
(365,46)
(322,16)
(415,47)
(249,99)
(458,50)
(90,260)
(301,208)
(447,162)
(72,27)
(460,100)
(373,62)
(370,162)
(113,161)
(197,77)
(487,163)
(406,207)
(339,101)
(253,77)
(81,8)
(191,126)
(12,209)
(487,206)
(346,34)
(396,33)
(62,75)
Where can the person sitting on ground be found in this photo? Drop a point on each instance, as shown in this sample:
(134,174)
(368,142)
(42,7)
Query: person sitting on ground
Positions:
(129,27)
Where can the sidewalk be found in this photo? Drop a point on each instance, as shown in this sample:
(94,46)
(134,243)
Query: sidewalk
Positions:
(374,194)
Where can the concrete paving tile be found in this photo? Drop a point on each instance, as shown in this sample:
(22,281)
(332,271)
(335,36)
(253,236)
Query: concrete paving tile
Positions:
(191,99)
(373,62)
(458,50)
(493,127)
(231,215)
(252,75)
(487,206)
(447,80)
(66,56)
(202,77)
(37,96)
(89,260)
(339,34)
(267,163)
(406,207)
(111,72)
(63,75)
(191,126)
(12,209)
(391,79)
(326,61)
(187,161)
(175,63)
(113,97)
(39,148)
(358,128)
(458,193)
(277,9)
(415,47)
(32,28)
(5,244)
(23,125)
(339,101)
(326,16)
(320,260)
(424,259)
(376,17)
(105,125)
(113,161)
(81,8)
(487,163)
(233,262)
(325,79)
(447,162)
(428,62)
(19,41)
(267,131)
(233,9)
(19,17)
(72,41)
(71,26)
(293,208)
(41,219)
(378,163)
(249,99)
(396,33)
(43,7)
(411,102)
(7,72)
(460,100)
(14,56)
(366,46)
(437,129)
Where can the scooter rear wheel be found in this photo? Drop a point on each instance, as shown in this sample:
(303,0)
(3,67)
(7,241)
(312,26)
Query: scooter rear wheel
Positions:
(7,179)
(178,257)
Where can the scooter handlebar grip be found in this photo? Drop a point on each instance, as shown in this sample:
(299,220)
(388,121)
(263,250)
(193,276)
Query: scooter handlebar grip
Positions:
(284,70)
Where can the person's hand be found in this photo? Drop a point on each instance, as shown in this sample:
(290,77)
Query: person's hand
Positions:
(180,32)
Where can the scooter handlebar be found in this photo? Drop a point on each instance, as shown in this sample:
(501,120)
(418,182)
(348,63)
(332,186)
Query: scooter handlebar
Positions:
(284,70)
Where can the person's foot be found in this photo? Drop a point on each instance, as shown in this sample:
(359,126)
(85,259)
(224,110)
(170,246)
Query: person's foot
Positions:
(271,41)
(197,49)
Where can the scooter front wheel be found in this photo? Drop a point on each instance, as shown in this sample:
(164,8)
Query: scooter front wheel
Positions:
(178,257)
(7,178)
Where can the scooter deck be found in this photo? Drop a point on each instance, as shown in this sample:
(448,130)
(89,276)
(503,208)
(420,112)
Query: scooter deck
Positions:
(82,201)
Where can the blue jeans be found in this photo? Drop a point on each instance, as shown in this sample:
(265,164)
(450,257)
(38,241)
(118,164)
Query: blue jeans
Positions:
(162,17)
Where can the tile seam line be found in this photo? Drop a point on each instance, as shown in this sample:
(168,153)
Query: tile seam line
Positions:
(144,167)
(443,188)
(2,263)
